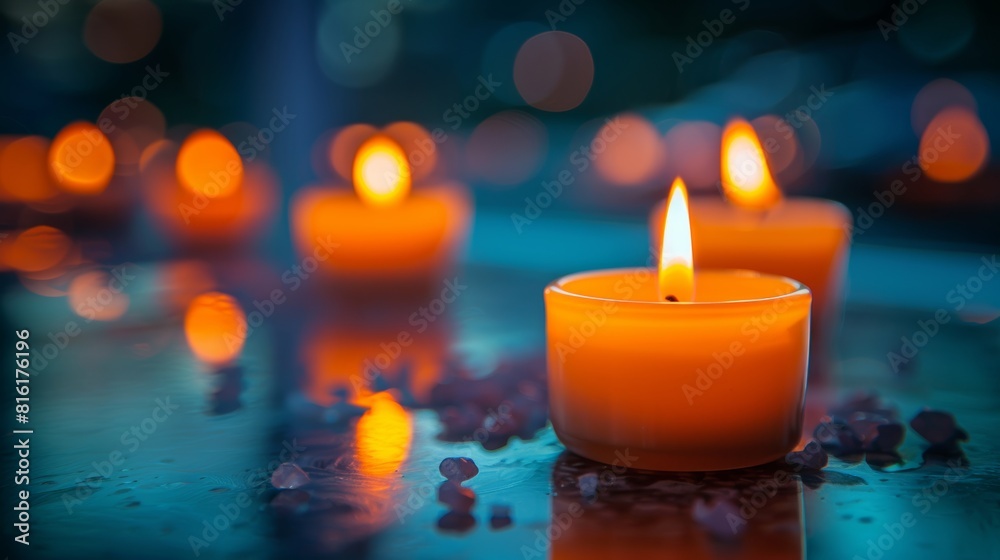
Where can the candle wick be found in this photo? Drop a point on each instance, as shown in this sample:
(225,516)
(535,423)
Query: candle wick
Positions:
(671,297)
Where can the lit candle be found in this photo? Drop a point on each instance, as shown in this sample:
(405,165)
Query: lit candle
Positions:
(807,239)
(383,230)
(680,370)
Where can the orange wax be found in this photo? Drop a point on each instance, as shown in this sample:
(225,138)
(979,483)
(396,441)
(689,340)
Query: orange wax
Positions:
(806,239)
(715,383)
(417,237)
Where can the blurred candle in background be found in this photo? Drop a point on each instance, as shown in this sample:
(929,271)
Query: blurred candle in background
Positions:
(806,239)
(202,194)
(382,230)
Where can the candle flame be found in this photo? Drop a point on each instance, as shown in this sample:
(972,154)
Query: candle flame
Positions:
(676,273)
(746,179)
(381,172)
(208,164)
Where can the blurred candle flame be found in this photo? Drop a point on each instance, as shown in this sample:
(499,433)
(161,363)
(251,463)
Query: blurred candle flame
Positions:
(955,146)
(384,434)
(216,327)
(81,159)
(381,172)
(746,178)
(208,164)
(676,274)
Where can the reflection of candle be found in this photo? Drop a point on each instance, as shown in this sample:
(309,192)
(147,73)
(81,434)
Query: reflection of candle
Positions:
(383,230)
(751,514)
(804,238)
(215,327)
(698,371)
(356,357)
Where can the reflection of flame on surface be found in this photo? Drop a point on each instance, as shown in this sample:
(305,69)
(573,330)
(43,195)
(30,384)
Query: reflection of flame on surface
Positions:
(343,357)
(676,272)
(381,172)
(384,434)
(746,177)
(93,296)
(215,326)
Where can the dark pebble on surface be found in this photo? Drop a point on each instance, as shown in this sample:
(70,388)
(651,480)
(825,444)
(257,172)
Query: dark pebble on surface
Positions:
(812,457)
(881,459)
(888,439)
(458,469)
(937,427)
(500,516)
(457,497)
(588,482)
(837,437)
(456,522)
(289,476)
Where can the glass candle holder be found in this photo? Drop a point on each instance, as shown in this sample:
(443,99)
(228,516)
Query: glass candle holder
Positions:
(712,384)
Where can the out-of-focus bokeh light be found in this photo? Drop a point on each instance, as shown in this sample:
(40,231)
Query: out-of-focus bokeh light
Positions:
(777,137)
(507,148)
(693,153)
(81,159)
(180,282)
(93,295)
(417,144)
(352,48)
(216,327)
(937,96)
(954,146)
(633,150)
(553,71)
(384,435)
(160,155)
(936,31)
(36,249)
(345,145)
(24,170)
(208,164)
(381,173)
(498,53)
(122,31)
(132,124)
(746,178)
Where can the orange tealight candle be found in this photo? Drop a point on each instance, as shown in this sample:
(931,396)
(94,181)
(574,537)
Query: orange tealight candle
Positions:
(383,230)
(807,239)
(678,370)
(202,195)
